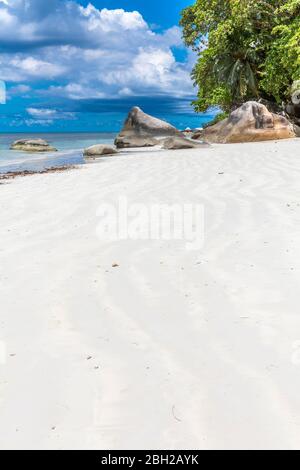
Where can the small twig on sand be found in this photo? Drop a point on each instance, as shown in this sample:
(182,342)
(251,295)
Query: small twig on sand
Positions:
(174,415)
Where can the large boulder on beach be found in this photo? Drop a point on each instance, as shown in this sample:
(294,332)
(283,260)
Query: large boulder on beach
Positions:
(99,150)
(32,145)
(140,126)
(252,122)
(179,143)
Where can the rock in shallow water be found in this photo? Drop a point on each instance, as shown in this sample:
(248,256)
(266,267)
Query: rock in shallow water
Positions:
(99,151)
(32,145)
(252,122)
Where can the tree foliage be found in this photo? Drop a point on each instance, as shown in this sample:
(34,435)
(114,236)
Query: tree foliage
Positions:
(247,49)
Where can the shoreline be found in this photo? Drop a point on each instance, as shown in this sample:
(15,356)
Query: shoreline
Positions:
(70,151)
(123,152)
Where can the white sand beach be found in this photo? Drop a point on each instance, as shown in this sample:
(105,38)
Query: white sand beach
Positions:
(172,348)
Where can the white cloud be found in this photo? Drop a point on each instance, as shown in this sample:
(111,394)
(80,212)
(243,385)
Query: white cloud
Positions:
(5,18)
(125,92)
(75,91)
(89,53)
(20,89)
(36,68)
(49,115)
(108,20)
(41,112)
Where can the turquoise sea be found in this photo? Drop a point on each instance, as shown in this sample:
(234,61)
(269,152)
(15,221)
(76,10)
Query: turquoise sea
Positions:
(70,150)
(70,145)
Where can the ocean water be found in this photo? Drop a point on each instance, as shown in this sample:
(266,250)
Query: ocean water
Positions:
(69,145)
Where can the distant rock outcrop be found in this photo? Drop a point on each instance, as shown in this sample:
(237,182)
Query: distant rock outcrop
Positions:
(252,122)
(142,130)
(179,143)
(99,151)
(33,145)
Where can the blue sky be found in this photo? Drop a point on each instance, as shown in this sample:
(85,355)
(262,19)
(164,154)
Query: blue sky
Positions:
(78,65)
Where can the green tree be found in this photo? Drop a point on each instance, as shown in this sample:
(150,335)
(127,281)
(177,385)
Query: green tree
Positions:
(282,64)
(247,49)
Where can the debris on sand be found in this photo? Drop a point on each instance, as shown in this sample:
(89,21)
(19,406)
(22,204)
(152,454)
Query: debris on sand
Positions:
(14,174)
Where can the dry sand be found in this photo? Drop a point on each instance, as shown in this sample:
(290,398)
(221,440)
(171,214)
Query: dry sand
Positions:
(171,348)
